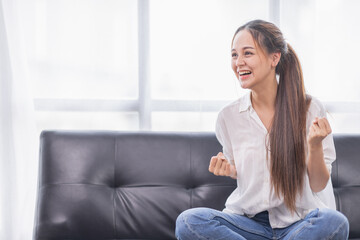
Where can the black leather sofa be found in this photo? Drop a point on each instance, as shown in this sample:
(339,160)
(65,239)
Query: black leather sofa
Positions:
(133,185)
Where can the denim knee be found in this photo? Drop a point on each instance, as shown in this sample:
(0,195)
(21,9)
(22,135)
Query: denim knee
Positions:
(180,224)
(338,220)
(186,218)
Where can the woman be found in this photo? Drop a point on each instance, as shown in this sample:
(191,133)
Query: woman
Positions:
(277,143)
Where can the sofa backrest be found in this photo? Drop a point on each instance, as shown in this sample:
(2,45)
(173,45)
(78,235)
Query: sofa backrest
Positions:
(133,185)
(345,177)
(117,185)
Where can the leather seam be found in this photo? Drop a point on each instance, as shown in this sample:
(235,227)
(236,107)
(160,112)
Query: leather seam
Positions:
(190,173)
(114,189)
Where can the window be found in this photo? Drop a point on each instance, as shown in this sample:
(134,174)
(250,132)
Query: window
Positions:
(165,64)
(84,66)
(324,36)
(190,43)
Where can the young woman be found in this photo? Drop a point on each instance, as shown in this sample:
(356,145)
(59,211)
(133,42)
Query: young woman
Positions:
(277,143)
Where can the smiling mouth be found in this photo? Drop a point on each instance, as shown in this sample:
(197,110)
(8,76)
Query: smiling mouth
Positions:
(244,73)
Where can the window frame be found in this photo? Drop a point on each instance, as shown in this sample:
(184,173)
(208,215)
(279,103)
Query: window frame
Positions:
(144,104)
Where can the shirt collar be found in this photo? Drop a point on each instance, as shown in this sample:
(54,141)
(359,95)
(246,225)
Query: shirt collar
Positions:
(245,102)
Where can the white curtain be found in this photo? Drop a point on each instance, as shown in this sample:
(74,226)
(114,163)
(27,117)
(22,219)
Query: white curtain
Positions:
(18,140)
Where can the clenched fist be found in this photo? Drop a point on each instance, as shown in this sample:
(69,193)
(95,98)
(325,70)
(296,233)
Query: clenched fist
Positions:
(319,129)
(219,166)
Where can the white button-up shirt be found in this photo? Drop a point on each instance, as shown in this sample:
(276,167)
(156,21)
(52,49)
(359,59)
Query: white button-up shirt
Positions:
(245,144)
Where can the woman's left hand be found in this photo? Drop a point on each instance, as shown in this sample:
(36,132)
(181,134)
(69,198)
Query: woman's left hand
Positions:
(319,129)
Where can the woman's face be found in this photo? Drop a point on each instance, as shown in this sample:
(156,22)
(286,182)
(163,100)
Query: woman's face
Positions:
(252,66)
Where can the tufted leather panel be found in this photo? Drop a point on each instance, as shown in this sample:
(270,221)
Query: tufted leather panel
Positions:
(111,185)
(133,185)
(346,179)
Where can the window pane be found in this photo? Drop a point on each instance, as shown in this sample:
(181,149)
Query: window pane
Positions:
(325,36)
(184,121)
(87,120)
(190,44)
(85,49)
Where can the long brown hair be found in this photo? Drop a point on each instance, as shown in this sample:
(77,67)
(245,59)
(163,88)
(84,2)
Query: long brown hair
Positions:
(288,130)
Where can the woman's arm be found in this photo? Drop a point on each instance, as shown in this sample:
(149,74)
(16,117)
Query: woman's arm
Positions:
(317,170)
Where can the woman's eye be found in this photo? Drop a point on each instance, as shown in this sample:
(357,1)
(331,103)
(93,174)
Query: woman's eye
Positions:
(248,53)
(233,55)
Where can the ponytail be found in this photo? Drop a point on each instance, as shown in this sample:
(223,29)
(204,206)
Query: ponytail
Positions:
(288,132)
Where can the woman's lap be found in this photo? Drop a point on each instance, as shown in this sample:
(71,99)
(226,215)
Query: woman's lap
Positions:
(206,223)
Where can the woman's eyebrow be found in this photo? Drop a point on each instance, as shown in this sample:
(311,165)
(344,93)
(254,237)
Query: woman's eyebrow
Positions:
(244,48)
(248,47)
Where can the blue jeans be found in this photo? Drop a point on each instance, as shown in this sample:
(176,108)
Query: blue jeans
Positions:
(206,223)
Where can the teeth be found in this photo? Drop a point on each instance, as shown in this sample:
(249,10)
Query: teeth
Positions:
(244,73)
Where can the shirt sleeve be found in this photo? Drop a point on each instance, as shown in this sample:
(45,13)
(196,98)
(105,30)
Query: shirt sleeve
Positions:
(223,137)
(328,142)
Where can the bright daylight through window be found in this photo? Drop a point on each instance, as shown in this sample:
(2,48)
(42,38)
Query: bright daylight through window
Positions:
(165,65)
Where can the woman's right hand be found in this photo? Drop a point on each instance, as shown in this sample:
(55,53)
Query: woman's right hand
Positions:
(219,166)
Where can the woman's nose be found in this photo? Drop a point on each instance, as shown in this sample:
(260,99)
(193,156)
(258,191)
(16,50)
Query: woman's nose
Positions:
(240,61)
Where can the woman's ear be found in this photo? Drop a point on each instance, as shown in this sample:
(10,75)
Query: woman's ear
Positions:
(275,58)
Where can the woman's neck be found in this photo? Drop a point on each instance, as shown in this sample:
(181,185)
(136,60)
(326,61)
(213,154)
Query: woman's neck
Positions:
(265,97)
(264,105)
